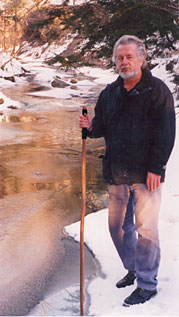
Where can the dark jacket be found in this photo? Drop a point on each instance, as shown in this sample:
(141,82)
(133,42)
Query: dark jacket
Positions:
(138,127)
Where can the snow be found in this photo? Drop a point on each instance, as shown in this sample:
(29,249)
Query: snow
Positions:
(12,67)
(4,110)
(105,298)
(46,51)
(100,76)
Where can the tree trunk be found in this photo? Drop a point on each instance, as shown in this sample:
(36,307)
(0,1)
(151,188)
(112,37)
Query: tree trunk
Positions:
(15,28)
(4,35)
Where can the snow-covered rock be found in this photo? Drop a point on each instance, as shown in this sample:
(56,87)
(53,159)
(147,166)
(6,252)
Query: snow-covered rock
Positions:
(10,66)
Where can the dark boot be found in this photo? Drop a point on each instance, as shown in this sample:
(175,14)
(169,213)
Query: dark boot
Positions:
(139,296)
(127,280)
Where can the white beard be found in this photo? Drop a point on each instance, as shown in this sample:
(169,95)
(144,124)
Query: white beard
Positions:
(128,75)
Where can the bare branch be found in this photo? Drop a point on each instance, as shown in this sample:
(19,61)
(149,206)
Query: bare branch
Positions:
(2,67)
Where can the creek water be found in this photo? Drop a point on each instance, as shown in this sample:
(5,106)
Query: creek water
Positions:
(40,193)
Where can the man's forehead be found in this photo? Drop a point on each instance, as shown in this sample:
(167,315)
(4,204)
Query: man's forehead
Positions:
(128,47)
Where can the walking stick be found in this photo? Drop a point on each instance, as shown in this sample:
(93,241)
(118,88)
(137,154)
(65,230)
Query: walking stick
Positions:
(83,171)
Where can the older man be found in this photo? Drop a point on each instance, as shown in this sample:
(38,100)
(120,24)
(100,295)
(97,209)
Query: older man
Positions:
(135,114)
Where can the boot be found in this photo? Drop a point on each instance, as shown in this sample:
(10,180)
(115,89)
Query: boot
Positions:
(139,296)
(127,280)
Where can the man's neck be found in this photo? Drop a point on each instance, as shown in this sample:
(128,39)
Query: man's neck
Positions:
(130,83)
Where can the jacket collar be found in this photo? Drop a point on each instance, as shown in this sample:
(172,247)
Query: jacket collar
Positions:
(145,82)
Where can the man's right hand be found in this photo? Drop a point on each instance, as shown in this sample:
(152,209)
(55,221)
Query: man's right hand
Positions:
(85,122)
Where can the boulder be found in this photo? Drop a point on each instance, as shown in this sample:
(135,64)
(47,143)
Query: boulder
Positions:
(73,81)
(59,83)
(1,101)
(12,107)
(11,78)
(97,200)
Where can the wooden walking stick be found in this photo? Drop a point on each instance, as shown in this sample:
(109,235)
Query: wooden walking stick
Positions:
(83,172)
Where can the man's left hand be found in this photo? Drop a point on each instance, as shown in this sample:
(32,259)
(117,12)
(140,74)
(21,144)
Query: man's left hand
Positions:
(153,181)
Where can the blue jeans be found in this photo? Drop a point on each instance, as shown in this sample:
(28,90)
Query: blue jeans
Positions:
(137,242)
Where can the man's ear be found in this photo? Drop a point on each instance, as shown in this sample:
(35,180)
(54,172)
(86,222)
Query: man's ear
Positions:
(141,61)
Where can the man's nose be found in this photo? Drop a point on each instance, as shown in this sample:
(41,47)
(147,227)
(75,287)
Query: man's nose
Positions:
(124,60)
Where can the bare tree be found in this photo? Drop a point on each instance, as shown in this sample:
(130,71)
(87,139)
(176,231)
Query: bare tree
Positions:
(12,16)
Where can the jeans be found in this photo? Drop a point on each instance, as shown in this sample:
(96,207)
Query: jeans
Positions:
(137,242)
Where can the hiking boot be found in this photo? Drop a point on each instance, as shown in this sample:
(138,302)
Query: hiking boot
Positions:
(139,296)
(127,280)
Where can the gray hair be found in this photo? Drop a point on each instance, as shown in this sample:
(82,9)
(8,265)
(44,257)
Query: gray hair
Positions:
(126,39)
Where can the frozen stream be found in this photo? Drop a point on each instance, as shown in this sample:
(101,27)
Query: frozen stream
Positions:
(40,193)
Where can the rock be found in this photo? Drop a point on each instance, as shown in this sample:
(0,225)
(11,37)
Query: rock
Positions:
(170,66)
(176,79)
(12,107)
(14,118)
(39,88)
(9,118)
(74,87)
(11,78)
(73,81)
(1,101)
(97,200)
(59,83)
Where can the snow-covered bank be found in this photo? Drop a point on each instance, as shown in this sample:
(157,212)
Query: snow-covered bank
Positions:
(46,51)
(106,299)
(11,70)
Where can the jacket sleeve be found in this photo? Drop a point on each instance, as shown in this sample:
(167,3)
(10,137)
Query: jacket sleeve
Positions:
(98,128)
(163,131)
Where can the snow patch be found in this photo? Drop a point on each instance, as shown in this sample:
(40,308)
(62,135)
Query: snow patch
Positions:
(46,51)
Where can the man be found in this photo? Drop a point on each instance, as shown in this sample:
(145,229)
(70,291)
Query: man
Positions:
(135,114)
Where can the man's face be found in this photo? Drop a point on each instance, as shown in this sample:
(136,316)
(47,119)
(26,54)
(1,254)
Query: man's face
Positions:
(128,61)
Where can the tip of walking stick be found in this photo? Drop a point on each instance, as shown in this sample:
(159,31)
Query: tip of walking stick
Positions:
(84,110)
(84,106)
